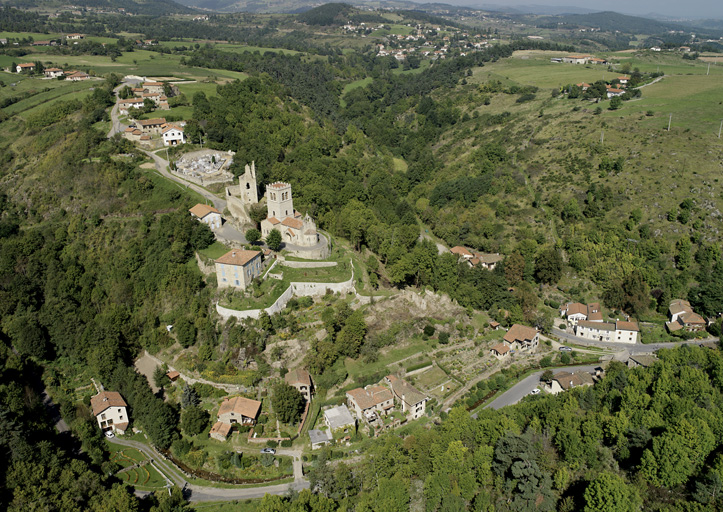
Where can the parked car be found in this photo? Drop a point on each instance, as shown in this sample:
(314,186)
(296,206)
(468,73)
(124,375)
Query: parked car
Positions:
(109,434)
(565,349)
(535,392)
(268,450)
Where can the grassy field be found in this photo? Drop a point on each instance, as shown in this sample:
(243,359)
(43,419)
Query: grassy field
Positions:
(534,68)
(139,62)
(357,368)
(40,98)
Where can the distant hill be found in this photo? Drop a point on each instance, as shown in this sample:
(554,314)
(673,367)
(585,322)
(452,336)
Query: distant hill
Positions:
(327,14)
(611,21)
(146,7)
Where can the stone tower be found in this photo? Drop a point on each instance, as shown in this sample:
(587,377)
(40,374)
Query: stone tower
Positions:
(248,189)
(278,200)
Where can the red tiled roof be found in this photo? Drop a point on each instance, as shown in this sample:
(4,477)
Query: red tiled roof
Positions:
(501,348)
(520,333)
(201,210)
(106,399)
(238,257)
(292,223)
(370,397)
(240,405)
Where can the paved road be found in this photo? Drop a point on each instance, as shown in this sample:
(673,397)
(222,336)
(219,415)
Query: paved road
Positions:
(633,348)
(205,493)
(523,388)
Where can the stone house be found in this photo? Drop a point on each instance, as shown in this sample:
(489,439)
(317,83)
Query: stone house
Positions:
(413,401)
(151,126)
(682,316)
(500,351)
(153,87)
(77,76)
(520,337)
(301,380)
(237,268)
(109,409)
(239,410)
(370,402)
(319,438)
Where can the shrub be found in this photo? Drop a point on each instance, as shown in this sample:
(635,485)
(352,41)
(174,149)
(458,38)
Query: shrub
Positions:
(271,443)
(286,443)
(429,330)
(443,338)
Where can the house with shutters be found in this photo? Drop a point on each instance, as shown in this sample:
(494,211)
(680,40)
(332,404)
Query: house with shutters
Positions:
(370,402)
(574,312)
(412,400)
(617,332)
(564,381)
(53,72)
(521,337)
(110,410)
(237,268)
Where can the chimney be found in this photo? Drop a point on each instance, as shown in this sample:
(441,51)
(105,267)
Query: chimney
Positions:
(233,254)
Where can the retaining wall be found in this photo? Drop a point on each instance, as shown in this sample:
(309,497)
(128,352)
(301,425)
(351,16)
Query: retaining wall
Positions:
(298,289)
(309,264)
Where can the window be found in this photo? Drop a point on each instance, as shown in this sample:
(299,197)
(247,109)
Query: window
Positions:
(237,283)
(102,416)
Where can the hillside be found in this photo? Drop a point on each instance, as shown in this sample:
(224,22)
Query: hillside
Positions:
(142,7)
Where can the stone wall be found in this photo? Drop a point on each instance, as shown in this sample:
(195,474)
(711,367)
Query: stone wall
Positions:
(309,264)
(238,210)
(294,289)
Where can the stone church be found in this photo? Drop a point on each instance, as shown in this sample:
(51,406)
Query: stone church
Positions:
(280,214)
(295,229)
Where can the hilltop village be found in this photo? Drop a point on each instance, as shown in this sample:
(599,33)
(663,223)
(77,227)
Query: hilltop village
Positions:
(358,258)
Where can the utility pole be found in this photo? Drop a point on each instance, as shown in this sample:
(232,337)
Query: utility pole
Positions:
(708,72)
(602,136)
(719,129)
(669,120)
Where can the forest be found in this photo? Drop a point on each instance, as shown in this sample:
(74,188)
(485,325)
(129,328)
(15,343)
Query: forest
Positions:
(97,257)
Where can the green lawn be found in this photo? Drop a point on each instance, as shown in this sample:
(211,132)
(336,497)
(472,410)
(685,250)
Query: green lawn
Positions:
(214,251)
(356,368)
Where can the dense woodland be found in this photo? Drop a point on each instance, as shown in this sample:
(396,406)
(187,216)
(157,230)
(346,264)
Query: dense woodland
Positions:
(97,257)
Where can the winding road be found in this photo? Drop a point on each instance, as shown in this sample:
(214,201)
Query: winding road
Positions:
(208,493)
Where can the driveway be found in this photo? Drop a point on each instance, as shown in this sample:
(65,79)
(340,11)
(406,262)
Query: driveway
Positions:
(523,388)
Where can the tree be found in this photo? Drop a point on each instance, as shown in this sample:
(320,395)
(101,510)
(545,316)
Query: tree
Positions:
(253,235)
(288,403)
(548,266)
(185,332)
(257,212)
(273,239)
(189,397)
(615,103)
(194,420)
(514,268)
(160,379)
(609,493)
(351,336)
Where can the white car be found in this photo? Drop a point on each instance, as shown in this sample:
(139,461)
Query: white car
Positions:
(535,392)
(109,434)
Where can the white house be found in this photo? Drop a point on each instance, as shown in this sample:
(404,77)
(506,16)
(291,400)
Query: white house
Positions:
(109,409)
(618,332)
(28,66)
(53,72)
(562,381)
(173,135)
(208,215)
(125,105)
